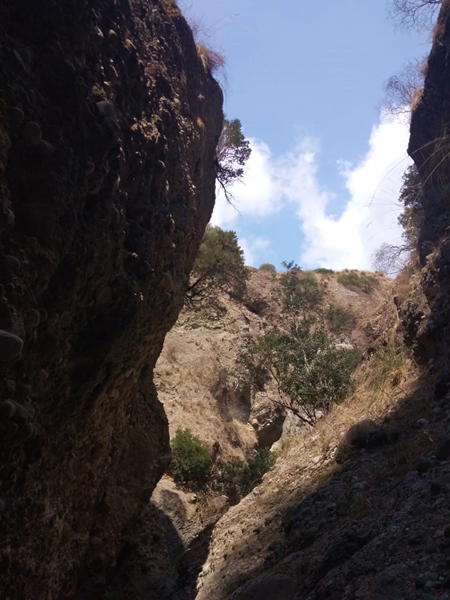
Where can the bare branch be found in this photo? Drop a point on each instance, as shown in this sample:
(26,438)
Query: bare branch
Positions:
(414,14)
(401,89)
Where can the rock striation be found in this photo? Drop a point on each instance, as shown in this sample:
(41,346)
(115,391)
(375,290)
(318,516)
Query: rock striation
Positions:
(108,126)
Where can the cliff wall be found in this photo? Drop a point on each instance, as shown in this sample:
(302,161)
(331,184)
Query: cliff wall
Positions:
(429,147)
(108,127)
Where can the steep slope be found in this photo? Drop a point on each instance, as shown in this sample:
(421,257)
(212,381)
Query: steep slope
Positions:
(109,121)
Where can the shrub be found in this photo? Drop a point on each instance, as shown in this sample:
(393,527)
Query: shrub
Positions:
(300,292)
(323,271)
(253,472)
(268,267)
(191,463)
(340,319)
(238,479)
(365,282)
(219,265)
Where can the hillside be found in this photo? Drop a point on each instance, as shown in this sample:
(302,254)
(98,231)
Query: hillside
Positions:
(347,510)
(201,383)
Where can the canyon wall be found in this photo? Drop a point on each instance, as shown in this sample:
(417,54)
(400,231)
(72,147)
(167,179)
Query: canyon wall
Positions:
(109,121)
(429,147)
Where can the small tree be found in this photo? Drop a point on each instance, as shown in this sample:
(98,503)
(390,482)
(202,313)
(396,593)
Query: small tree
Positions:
(219,265)
(401,89)
(232,152)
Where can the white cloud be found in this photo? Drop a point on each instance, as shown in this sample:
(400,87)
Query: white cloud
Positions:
(253,246)
(258,195)
(368,214)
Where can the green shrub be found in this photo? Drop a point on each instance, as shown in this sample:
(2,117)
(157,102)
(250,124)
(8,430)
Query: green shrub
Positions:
(364,281)
(323,271)
(268,267)
(253,472)
(191,463)
(238,479)
(340,319)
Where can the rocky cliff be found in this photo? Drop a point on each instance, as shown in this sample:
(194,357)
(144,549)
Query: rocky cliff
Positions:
(108,127)
(429,148)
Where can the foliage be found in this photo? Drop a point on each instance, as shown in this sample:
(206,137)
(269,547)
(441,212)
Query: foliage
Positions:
(323,271)
(411,195)
(363,281)
(267,267)
(238,478)
(191,463)
(414,14)
(219,266)
(340,319)
(299,291)
(232,152)
(310,371)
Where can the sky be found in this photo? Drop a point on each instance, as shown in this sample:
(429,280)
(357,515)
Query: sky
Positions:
(306,81)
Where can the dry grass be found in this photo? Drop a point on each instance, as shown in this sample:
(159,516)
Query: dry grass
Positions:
(212,60)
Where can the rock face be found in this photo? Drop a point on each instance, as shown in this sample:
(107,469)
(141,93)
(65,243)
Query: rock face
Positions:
(429,148)
(107,134)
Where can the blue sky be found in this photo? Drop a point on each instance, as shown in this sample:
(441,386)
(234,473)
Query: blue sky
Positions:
(306,81)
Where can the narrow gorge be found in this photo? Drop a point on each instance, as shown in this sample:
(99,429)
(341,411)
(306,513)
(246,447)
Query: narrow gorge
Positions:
(110,117)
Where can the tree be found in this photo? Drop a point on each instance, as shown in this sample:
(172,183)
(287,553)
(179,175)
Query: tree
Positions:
(401,89)
(232,152)
(390,259)
(219,266)
(311,372)
(414,14)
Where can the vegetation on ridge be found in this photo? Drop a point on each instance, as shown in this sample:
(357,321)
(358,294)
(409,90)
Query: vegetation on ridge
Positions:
(311,372)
